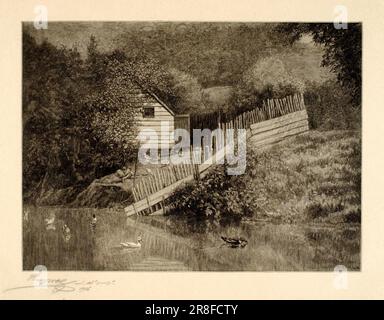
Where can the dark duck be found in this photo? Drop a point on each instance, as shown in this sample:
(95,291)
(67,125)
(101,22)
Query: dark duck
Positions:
(237,242)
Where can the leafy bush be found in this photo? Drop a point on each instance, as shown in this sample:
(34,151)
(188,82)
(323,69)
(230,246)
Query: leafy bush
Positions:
(187,92)
(330,107)
(217,196)
(266,79)
(270,72)
(353,216)
(322,208)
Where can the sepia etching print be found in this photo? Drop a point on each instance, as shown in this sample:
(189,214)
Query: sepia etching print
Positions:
(191,146)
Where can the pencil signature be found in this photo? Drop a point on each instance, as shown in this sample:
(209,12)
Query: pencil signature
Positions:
(64,285)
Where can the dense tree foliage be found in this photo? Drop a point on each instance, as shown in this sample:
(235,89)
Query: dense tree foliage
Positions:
(214,53)
(329,107)
(342,50)
(52,85)
(78,114)
(265,79)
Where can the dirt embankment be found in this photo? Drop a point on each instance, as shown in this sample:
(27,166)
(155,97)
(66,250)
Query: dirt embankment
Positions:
(110,191)
(94,196)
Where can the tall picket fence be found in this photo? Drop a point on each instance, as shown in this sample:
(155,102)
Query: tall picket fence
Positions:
(270,109)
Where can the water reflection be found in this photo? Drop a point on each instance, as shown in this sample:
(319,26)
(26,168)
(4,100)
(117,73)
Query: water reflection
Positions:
(174,244)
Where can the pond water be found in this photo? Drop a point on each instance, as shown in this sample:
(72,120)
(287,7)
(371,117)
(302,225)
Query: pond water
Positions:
(173,244)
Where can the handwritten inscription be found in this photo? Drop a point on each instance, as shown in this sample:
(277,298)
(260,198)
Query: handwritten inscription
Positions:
(63,285)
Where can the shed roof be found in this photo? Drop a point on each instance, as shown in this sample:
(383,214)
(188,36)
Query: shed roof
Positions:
(161,102)
(153,95)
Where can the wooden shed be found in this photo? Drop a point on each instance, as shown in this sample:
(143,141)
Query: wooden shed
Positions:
(156,115)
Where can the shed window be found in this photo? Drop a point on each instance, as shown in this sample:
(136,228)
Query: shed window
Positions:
(149,112)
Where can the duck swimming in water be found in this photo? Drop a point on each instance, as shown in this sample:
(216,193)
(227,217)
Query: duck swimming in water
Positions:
(66,233)
(132,245)
(238,242)
(93,223)
(50,223)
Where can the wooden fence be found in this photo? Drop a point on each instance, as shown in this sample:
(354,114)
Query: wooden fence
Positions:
(206,121)
(270,108)
(183,121)
(275,120)
(160,178)
(277,129)
(151,192)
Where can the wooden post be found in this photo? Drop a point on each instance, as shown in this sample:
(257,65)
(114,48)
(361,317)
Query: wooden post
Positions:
(150,185)
(149,207)
(163,205)
(161,178)
(155,180)
(280,106)
(197,171)
(169,177)
(293,103)
(290,104)
(298,102)
(285,109)
(135,198)
(265,106)
(141,188)
(270,109)
(276,111)
(153,184)
(302,101)
(174,172)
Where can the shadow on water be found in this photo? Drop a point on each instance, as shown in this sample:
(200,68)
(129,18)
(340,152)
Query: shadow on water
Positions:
(174,244)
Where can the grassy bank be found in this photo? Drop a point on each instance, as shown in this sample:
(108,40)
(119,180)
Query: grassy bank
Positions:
(314,177)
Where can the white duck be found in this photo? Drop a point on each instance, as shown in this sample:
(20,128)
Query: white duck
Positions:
(26,215)
(66,233)
(132,245)
(50,223)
